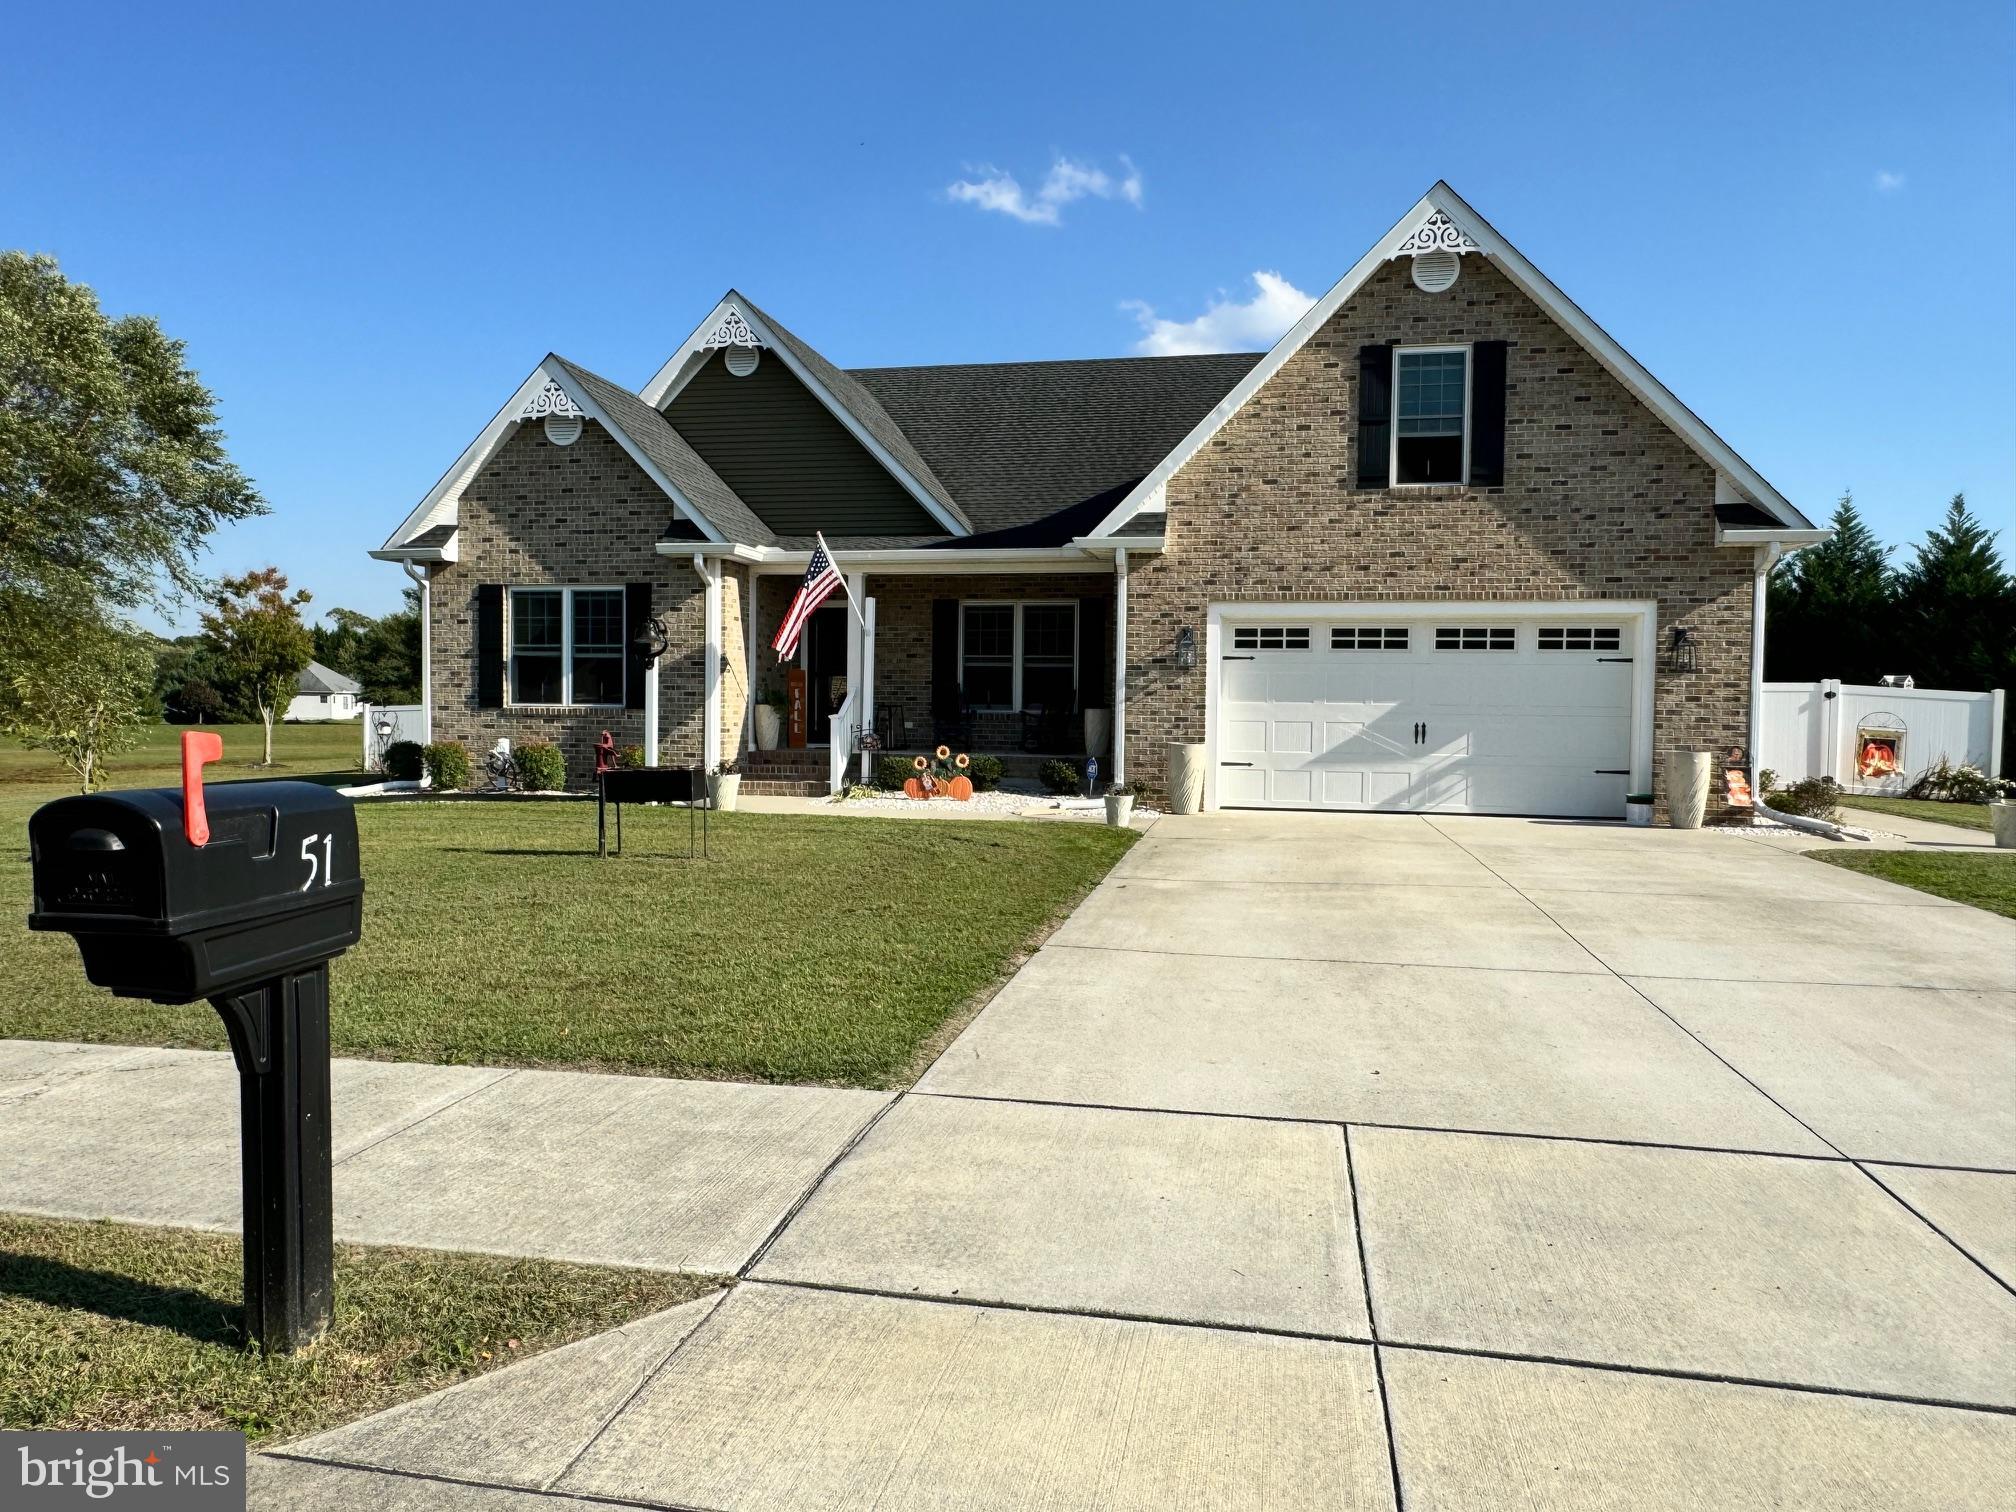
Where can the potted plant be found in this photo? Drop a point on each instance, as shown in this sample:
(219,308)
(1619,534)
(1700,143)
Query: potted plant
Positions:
(2002,815)
(724,787)
(1119,805)
(770,706)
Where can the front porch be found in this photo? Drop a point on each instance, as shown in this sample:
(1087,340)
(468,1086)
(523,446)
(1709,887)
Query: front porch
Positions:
(1005,664)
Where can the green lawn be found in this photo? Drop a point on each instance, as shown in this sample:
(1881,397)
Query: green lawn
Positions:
(810,949)
(114,1326)
(1986,879)
(303,750)
(1967,815)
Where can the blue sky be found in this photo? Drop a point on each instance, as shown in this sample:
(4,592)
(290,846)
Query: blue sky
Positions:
(1799,216)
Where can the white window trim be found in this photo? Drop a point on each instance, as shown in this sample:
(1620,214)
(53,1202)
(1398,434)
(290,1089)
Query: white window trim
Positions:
(1393,423)
(566,592)
(1015,655)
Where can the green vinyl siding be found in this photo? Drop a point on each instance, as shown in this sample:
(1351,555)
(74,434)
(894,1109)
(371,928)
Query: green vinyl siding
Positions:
(788,457)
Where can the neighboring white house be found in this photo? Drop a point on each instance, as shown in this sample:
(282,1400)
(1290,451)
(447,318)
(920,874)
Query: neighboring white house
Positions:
(324,694)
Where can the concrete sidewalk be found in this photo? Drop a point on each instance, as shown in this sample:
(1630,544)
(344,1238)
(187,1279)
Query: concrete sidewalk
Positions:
(1359,1163)
(613,1170)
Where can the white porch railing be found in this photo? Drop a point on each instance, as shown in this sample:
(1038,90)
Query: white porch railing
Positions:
(841,734)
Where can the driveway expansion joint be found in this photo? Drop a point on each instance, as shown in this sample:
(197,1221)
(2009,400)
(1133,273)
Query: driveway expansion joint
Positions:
(577,1497)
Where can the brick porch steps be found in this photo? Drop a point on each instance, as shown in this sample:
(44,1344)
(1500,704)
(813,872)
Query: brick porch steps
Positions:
(768,787)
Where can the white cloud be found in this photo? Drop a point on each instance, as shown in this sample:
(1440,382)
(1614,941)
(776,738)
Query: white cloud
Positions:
(1889,182)
(1068,180)
(1227,325)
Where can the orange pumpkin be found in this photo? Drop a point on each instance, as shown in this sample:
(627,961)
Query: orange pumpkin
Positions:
(912,788)
(960,788)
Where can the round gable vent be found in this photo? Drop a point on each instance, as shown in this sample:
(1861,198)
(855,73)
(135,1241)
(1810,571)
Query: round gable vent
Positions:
(1436,271)
(742,360)
(563,430)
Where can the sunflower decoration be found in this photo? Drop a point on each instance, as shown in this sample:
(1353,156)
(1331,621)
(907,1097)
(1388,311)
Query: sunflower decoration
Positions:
(962,761)
(920,763)
(943,753)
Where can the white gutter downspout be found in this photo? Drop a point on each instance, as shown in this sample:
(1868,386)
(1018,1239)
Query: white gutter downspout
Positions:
(1767,558)
(425,584)
(1119,665)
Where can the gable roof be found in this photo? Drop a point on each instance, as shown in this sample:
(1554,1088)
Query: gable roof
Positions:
(1018,442)
(1458,224)
(319,681)
(696,491)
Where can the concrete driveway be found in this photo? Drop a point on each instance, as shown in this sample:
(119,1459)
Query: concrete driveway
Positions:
(1356,1162)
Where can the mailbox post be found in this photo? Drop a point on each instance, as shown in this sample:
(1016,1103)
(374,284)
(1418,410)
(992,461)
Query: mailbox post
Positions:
(241,894)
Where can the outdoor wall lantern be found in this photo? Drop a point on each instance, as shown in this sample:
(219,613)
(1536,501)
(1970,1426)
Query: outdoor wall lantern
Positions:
(1186,647)
(1682,654)
(654,641)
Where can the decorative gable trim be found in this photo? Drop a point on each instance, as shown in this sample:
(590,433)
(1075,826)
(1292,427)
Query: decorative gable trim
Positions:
(550,400)
(1439,204)
(1437,233)
(731,330)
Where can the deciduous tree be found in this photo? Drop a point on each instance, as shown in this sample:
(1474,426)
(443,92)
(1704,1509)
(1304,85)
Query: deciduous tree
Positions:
(256,635)
(77,686)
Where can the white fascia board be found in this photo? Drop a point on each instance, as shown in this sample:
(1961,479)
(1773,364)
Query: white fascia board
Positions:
(444,553)
(1762,535)
(1105,546)
(438,507)
(680,367)
(1536,286)
(912,560)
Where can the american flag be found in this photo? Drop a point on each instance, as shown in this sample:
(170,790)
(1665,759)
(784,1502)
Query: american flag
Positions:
(821,578)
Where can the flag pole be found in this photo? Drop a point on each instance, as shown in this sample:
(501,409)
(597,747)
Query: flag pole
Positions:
(820,537)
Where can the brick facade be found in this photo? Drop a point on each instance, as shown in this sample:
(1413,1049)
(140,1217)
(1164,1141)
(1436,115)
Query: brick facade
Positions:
(583,515)
(1601,501)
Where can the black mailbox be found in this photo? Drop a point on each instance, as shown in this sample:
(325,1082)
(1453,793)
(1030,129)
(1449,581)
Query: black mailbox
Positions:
(241,894)
(275,887)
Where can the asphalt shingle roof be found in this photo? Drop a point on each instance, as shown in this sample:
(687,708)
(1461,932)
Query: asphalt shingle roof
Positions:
(317,680)
(653,435)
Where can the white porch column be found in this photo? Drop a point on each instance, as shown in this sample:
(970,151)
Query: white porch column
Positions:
(867,680)
(710,720)
(857,584)
(1120,665)
(749,662)
(423,579)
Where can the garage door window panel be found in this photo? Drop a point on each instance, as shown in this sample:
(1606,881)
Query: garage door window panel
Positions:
(1368,638)
(1431,420)
(1476,638)
(1581,638)
(1270,638)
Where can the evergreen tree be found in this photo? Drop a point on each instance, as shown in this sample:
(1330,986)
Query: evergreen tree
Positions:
(1829,613)
(1956,609)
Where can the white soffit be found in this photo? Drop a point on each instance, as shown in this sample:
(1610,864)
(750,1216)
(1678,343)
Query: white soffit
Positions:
(1441,221)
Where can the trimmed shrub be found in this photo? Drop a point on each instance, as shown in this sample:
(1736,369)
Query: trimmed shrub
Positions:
(1815,798)
(446,765)
(630,759)
(1946,782)
(404,761)
(986,773)
(1062,777)
(539,767)
(891,772)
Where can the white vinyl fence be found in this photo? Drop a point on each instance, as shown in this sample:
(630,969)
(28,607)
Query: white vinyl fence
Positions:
(387,725)
(1876,740)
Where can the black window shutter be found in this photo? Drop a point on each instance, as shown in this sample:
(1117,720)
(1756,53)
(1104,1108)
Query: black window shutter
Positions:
(945,658)
(489,645)
(1375,415)
(1487,415)
(636,621)
(1093,681)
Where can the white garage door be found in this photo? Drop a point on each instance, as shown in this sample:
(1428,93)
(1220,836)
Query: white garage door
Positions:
(1461,715)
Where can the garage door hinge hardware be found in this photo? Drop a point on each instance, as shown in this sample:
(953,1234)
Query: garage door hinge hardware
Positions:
(1235,658)
(1614,658)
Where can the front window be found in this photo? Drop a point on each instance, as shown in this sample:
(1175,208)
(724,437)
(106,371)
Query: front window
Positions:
(1431,387)
(1019,656)
(567,646)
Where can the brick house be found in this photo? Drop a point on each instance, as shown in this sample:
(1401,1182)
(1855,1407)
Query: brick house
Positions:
(1445,547)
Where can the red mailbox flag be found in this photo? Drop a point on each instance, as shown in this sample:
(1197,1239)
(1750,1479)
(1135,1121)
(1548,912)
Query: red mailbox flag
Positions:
(198,747)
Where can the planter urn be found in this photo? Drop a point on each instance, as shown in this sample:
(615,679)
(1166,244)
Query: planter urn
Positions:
(1098,731)
(1186,776)
(1687,777)
(2002,815)
(1119,809)
(724,790)
(769,727)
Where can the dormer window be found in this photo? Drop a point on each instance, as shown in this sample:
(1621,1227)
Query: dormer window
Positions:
(1431,413)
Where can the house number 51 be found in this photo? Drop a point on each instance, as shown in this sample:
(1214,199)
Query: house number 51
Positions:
(323,866)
